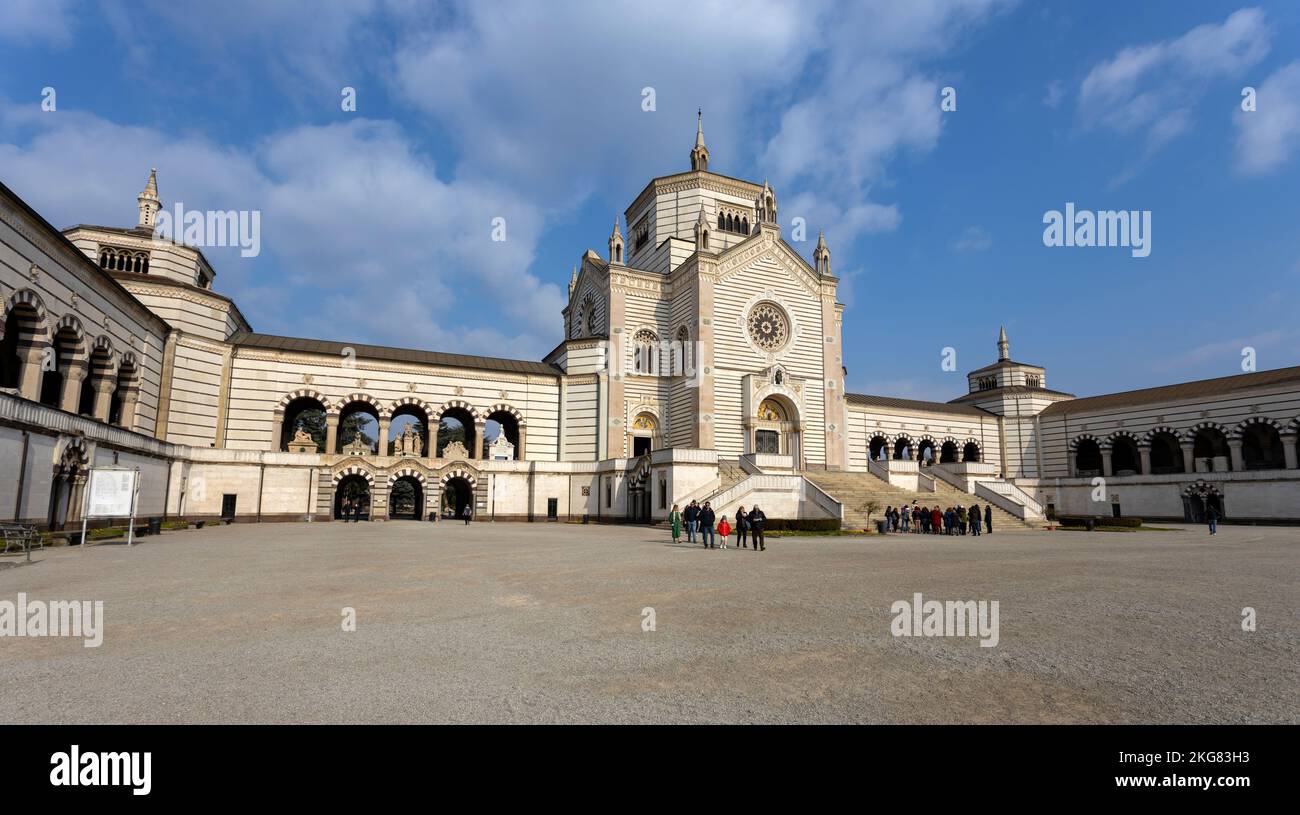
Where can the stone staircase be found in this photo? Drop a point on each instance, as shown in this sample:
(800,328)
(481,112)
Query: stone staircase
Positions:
(730,474)
(855,489)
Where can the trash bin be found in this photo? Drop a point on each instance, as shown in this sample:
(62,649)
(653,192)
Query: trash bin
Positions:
(880,527)
(155,526)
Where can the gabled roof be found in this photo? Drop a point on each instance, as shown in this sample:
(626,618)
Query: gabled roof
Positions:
(270,342)
(891,403)
(1198,389)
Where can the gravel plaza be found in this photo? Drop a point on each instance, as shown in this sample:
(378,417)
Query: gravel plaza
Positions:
(543,623)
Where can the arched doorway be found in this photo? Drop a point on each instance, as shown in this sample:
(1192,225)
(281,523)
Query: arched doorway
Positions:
(925,451)
(502,421)
(68,485)
(1261,447)
(1124,456)
(412,415)
(948,452)
(406,499)
(903,448)
(1198,499)
(642,434)
(1166,453)
(456,426)
(1087,457)
(971,452)
(358,426)
(1210,450)
(457,494)
(352,498)
(775,428)
(876,449)
(24,335)
(304,413)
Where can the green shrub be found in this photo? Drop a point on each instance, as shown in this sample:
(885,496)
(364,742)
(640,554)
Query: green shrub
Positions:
(1099,520)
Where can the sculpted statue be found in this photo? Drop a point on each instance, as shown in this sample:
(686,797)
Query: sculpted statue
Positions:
(301,436)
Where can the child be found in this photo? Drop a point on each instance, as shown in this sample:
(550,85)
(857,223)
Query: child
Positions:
(724,529)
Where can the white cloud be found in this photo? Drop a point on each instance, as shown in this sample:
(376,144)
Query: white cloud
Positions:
(36,22)
(1268,136)
(1152,88)
(371,245)
(973,239)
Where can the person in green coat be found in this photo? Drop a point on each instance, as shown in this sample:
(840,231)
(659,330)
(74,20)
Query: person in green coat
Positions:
(675,518)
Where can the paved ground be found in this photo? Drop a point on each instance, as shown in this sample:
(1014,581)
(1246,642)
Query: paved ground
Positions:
(542,623)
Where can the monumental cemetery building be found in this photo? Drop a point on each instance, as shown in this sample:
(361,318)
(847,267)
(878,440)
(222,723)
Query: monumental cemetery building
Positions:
(701,359)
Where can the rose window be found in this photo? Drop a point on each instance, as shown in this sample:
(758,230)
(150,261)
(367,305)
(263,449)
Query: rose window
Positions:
(768,326)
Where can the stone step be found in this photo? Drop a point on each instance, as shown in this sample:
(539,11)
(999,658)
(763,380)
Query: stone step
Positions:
(854,490)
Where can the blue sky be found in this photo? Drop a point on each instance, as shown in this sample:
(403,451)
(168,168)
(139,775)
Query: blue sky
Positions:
(376,223)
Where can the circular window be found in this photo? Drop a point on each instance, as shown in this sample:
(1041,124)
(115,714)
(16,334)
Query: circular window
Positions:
(769,328)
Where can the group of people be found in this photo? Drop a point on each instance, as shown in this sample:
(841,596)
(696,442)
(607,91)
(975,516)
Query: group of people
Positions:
(956,520)
(702,519)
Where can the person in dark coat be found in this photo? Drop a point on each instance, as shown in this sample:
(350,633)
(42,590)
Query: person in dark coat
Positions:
(692,517)
(707,517)
(757,520)
(988,519)
(1212,518)
(742,527)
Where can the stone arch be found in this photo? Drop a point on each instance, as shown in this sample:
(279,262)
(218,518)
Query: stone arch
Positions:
(1166,450)
(511,422)
(409,472)
(1262,447)
(925,443)
(904,447)
(460,404)
(463,486)
(972,451)
(353,469)
(1210,449)
(304,393)
(285,418)
(420,499)
(26,300)
(70,325)
(645,351)
(949,450)
(459,472)
(412,406)
(353,398)
(1125,455)
(876,442)
(644,430)
(682,359)
(776,425)
(468,417)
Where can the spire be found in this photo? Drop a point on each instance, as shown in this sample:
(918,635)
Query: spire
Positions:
(1004,347)
(573,281)
(822,256)
(616,244)
(765,205)
(148,201)
(700,153)
(702,232)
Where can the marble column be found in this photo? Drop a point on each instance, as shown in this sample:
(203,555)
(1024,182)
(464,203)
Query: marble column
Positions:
(104,387)
(30,376)
(523,431)
(332,433)
(1289,449)
(277,430)
(480,444)
(74,375)
(1144,454)
(1106,468)
(384,422)
(1234,447)
(1189,460)
(129,400)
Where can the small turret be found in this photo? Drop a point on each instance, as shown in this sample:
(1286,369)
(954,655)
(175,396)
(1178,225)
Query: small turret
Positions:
(822,256)
(702,232)
(149,202)
(1004,347)
(616,244)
